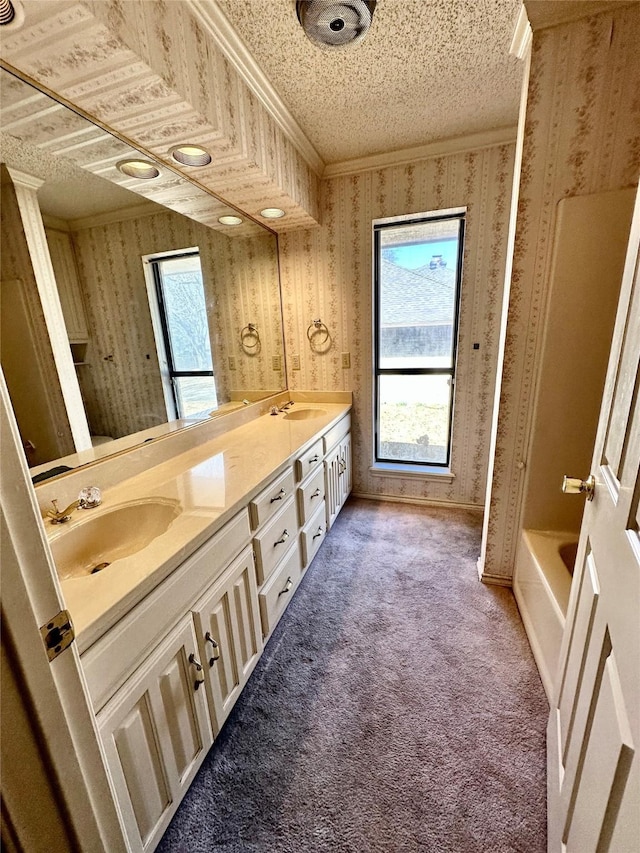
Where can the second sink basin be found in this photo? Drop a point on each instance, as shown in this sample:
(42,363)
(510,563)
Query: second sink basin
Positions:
(304,414)
(89,545)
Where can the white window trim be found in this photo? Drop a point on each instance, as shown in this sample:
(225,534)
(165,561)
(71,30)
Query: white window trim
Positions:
(413,471)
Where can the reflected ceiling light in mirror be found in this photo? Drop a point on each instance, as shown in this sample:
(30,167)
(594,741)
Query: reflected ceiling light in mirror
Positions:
(230,220)
(143,169)
(190,155)
(272,213)
(11,14)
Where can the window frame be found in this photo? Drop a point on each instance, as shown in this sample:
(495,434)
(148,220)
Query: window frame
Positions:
(379,225)
(169,371)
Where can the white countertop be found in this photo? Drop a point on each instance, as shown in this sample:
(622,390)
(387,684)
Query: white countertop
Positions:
(211,483)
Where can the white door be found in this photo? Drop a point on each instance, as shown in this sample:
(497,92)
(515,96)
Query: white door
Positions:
(594,727)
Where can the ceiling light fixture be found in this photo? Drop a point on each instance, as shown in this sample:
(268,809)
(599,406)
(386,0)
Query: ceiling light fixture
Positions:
(230,220)
(190,155)
(143,169)
(331,24)
(272,213)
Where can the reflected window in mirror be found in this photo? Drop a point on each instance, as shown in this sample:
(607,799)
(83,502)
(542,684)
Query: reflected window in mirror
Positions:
(182,333)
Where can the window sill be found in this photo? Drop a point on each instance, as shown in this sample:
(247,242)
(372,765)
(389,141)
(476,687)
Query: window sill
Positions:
(419,472)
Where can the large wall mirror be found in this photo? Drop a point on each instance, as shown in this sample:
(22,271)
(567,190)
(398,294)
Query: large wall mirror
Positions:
(172,314)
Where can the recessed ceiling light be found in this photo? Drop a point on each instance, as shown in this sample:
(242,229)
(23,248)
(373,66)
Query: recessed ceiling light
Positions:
(230,220)
(190,155)
(143,169)
(272,213)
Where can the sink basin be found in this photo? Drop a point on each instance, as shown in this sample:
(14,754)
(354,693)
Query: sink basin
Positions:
(87,545)
(304,414)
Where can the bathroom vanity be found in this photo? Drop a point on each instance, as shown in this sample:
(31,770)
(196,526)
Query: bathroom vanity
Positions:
(170,633)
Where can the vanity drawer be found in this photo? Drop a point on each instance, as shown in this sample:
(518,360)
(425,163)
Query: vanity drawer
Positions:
(277,592)
(275,539)
(333,436)
(313,534)
(112,658)
(271,499)
(306,463)
(311,495)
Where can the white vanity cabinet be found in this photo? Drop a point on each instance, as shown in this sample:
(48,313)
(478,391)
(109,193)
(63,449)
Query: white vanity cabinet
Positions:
(337,467)
(165,677)
(229,633)
(155,732)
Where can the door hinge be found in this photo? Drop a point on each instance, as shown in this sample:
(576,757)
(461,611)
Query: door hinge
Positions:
(58,634)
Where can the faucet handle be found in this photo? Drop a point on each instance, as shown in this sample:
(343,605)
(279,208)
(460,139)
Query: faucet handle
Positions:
(89,497)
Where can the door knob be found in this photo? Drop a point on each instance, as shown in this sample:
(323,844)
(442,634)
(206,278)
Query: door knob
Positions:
(574,486)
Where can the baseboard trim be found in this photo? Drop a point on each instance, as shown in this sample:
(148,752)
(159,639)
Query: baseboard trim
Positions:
(496,580)
(419,501)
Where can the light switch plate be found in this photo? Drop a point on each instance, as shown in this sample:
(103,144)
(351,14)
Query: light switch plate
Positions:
(276,362)
(232,362)
(295,362)
(346,360)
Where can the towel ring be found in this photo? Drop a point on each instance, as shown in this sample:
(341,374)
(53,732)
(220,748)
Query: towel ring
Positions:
(317,327)
(249,333)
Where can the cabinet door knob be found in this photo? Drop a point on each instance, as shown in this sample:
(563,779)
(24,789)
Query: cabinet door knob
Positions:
(286,587)
(198,668)
(279,496)
(216,648)
(283,538)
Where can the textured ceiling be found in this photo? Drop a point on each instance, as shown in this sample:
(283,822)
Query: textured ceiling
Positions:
(427,70)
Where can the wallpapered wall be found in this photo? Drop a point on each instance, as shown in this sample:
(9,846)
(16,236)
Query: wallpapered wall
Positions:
(124,395)
(326,274)
(52,437)
(582,135)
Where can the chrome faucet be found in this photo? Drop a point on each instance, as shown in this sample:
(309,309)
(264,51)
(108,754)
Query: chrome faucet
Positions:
(87,499)
(277,410)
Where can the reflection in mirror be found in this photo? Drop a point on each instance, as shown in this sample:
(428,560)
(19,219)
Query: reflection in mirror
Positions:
(147,338)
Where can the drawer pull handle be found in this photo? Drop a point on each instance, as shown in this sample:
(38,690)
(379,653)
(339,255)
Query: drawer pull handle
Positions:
(315,494)
(199,673)
(319,533)
(279,496)
(216,648)
(314,459)
(286,587)
(284,537)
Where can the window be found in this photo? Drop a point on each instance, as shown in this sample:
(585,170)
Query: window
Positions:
(417,272)
(182,335)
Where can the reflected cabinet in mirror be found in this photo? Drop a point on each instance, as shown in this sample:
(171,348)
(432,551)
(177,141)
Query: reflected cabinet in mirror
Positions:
(169,316)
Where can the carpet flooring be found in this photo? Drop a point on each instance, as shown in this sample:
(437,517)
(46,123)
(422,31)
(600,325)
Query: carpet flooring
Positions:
(397,707)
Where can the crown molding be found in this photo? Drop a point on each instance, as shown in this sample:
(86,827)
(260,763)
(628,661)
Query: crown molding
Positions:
(522,36)
(458,145)
(217,25)
(22,179)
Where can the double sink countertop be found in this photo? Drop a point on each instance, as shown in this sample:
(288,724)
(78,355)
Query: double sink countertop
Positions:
(207,485)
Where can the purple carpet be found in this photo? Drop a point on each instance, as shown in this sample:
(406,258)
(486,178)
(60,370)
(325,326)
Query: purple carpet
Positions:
(397,707)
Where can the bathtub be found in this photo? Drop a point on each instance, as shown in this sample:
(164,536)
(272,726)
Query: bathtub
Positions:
(541,584)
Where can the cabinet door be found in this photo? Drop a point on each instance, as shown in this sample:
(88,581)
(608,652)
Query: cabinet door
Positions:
(332,485)
(344,468)
(155,732)
(229,631)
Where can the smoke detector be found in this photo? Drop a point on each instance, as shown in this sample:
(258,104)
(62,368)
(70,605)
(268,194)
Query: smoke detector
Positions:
(331,24)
